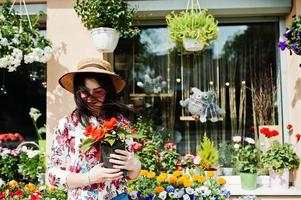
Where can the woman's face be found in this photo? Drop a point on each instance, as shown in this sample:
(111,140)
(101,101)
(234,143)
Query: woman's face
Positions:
(94,94)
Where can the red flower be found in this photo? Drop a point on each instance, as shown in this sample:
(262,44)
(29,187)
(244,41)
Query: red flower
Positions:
(169,145)
(298,136)
(109,125)
(35,196)
(289,127)
(264,131)
(2,195)
(133,131)
(136,146)
(89,129)
(274,133)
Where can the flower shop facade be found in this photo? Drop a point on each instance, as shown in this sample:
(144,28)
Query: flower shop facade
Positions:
(255,83)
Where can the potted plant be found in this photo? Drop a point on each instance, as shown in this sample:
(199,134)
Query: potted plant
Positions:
(192,29)
(280,159)
(107,20)
(20,39)
(226,158)
(292,37)
(111,135)
(247,158)
(208,155)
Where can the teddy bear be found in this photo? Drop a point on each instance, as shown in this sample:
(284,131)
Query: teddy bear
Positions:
(202,105)
(152,85)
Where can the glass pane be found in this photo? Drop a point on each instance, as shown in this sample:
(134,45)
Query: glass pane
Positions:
(240,67)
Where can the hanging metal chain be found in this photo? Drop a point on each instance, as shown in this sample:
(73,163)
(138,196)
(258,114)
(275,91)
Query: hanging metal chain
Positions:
(20,10)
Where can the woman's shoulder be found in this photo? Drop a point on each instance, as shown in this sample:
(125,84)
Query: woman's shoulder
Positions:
(67,120)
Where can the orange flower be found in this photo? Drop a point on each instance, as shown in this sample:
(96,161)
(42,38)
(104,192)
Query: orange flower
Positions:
(98,134)
(186,176)
(109,125)
(159,189)
(172,180)
(177,173)
(221,180)
(180,180)
(31,187)
(187,183)
(198,178)
(151,175)
(129,190)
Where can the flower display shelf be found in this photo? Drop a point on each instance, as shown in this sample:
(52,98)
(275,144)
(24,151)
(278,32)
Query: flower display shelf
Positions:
(190,118)
(171,94)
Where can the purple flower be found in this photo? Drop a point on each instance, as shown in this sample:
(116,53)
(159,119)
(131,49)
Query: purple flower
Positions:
(282,45)
(298,34)
(288,33)
(170,189)
(296,48)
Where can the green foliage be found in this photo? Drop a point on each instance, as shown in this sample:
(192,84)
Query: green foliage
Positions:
(109,13)
(226,157)
(55,194)
(31,167)
(198,25)
(208,154)
(169,160)
(280,157)
(143,184)
(8,169)
(149,157)
(248,158)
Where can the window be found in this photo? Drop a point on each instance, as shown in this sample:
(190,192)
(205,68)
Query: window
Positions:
(240,66)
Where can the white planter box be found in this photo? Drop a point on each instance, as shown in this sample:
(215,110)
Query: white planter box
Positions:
(191,44)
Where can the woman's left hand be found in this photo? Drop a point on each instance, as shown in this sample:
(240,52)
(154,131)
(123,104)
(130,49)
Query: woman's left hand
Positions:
(124,160)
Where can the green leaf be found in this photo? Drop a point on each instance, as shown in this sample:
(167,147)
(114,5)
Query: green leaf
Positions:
(87,144)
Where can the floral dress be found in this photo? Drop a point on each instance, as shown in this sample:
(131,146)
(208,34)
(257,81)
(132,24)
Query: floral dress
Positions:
(66,157)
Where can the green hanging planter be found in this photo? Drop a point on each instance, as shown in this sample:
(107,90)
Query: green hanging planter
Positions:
(248,181)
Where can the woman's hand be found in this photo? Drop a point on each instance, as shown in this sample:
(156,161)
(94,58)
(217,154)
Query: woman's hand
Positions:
(124,160)
(100,174)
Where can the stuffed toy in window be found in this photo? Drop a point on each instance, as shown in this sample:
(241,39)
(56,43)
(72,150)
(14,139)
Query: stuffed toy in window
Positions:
(202,105)
(152,85)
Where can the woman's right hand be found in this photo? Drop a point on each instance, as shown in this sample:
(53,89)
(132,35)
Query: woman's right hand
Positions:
(100,174)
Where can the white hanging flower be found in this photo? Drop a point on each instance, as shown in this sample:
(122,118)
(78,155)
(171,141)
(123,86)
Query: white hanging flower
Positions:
(4,42)
(236,146)
(16,41)
(34,113)
(250,140)
(32,153)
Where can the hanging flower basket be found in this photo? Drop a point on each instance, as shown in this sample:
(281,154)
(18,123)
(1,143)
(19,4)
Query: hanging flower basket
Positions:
(105,39)
(192,29)
(20,39)
(292,37)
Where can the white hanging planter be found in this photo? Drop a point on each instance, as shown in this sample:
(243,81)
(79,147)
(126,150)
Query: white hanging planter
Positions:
(105,39)
(279,181)
(191,44)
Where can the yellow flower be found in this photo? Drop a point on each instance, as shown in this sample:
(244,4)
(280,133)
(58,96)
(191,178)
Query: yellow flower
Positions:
(159,189)
(151,175)
(210,174)
(221,181)
(160,179)
(172,180)
(187,183)
(13,183)
(177,173)
(163,175)
(186,176)
(143,172)
(50,187)
(31,187)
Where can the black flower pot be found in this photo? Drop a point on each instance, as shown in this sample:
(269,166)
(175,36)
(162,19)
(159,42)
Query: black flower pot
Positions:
(107,149)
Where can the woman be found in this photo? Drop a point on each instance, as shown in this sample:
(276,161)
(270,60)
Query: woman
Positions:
(95,87)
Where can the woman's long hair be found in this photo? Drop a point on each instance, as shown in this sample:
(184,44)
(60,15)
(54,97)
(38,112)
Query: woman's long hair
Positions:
(112,105)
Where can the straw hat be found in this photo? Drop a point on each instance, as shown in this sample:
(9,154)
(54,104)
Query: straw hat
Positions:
(93,65)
